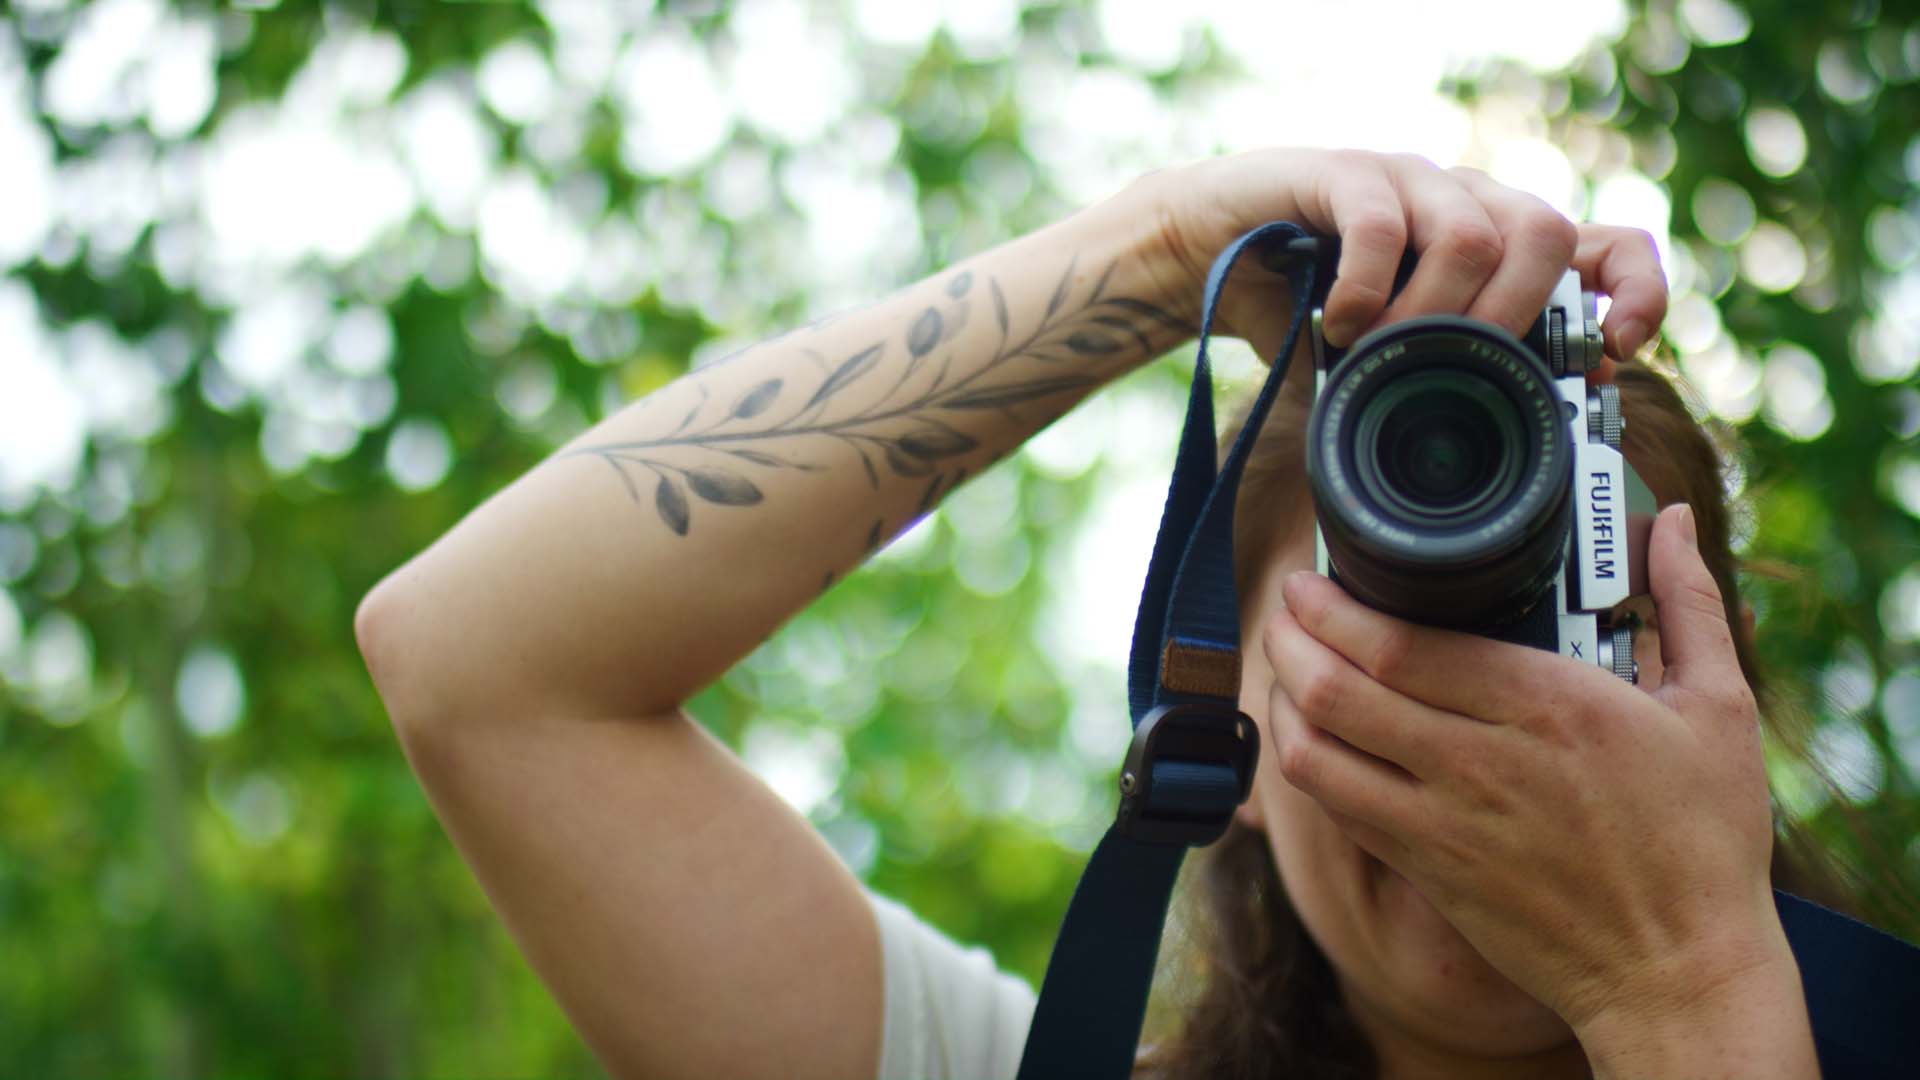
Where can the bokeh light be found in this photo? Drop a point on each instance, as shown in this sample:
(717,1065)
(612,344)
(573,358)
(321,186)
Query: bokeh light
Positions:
(211,693)
(1775,141)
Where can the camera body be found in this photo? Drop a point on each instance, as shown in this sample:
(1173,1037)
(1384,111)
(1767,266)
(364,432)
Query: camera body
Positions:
(1465,478)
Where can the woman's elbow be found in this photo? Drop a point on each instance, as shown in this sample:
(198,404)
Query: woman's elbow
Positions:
(387,628)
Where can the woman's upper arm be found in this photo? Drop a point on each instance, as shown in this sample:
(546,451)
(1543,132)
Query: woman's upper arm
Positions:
(689,921)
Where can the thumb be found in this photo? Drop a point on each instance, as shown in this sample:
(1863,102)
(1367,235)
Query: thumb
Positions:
(1696,645)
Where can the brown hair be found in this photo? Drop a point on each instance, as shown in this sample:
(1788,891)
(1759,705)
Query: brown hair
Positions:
(1243,989)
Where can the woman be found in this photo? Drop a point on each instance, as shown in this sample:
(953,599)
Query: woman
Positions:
(1508,864)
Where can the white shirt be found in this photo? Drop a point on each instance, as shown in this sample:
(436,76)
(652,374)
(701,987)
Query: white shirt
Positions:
(950,1013)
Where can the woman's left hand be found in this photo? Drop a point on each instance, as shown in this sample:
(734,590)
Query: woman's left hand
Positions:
(1605,847)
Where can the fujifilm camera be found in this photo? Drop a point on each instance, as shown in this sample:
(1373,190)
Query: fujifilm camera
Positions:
(1469,479)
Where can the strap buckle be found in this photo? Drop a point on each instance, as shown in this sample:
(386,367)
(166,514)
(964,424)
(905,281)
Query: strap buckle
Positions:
(1189,766)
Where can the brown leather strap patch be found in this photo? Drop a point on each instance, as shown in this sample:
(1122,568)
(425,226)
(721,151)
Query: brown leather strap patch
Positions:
(1188,667)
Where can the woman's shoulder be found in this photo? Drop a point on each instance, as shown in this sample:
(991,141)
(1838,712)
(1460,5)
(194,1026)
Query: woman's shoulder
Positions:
(951,1012)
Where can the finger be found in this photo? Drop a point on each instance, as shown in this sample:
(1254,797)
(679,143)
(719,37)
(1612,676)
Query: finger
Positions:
(1390,849)
(1458,673)
(1539,244)
(1624,264)
(1696,644)
(1340,778)
(1328,692)
(1372,224)
(1458,244)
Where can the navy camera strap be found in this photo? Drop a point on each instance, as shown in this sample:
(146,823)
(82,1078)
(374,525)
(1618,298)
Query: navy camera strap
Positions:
(1863,991)
(1186,652)
(1193,753)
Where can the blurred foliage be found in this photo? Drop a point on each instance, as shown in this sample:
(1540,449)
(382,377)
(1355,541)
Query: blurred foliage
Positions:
(213,858)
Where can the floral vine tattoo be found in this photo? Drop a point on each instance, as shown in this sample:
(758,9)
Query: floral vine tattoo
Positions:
(901,430)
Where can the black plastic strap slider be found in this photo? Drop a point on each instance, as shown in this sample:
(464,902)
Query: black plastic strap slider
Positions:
(1296,251)
(1189,766)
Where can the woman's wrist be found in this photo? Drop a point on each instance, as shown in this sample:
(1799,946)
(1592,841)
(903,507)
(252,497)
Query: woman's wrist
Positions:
(1736,1010)
(1153,264)
(1180,219)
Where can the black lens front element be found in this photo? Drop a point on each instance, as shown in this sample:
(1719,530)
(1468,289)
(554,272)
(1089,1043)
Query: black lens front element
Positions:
(1441,466)
(1439,445)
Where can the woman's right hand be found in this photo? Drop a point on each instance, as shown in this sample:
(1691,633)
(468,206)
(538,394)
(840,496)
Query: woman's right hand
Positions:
(1486,250)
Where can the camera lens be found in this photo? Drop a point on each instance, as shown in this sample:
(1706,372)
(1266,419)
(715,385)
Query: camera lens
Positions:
(1440,464)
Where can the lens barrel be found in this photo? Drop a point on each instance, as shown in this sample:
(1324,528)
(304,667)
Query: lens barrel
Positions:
(1441,467)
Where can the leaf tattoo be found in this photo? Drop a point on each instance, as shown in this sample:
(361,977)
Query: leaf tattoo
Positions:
(1125,327)
(625,480)
(1100,286)
(693,412)
(925,334)
(672,505)
(1060,290)
(935,441)
(850,369)
(756,400)
(758,458)
(897,424)
(721,487)
(1152,313)
(1092,343)
(927,496)
(994,397)
(906,465)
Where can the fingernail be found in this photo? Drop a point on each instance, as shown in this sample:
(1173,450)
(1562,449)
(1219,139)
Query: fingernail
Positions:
(1296,584)
(1633,334)
(1687,528)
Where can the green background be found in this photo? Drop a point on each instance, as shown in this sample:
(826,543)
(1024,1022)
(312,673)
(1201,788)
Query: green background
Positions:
(213,859)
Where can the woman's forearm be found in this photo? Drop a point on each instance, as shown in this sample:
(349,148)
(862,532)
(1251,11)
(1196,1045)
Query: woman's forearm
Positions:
(648,555)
